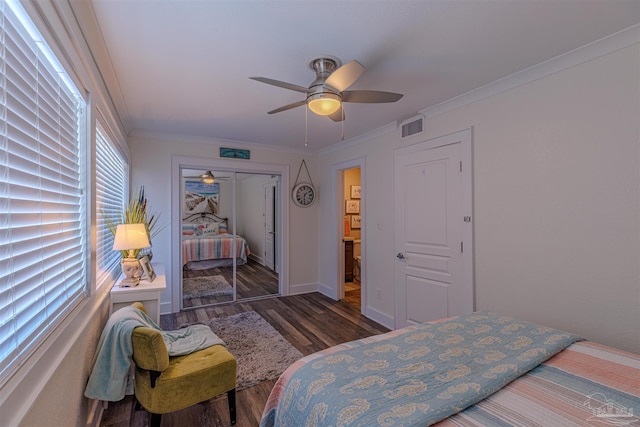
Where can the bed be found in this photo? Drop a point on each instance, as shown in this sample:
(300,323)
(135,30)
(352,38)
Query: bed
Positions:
(207,243)
(482,369)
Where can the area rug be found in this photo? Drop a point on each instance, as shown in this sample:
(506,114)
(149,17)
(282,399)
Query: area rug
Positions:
(262,353)
(205,286)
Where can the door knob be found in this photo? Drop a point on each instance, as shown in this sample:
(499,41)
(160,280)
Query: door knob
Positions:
(400,255)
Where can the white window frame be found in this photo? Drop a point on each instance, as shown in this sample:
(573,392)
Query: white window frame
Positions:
(44,137)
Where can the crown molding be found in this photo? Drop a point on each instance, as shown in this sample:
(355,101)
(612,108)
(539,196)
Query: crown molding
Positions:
(169,137)
(96,54)
(596,49)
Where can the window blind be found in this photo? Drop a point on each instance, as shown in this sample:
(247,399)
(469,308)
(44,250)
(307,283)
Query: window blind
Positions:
(42,214)
(111,184)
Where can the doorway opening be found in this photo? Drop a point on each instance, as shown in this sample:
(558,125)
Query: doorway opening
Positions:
(352,242)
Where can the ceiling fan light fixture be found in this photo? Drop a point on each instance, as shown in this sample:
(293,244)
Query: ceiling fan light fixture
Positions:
(324,104)
(208,177)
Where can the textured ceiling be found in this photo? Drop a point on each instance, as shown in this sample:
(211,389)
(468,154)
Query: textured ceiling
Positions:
(183,66)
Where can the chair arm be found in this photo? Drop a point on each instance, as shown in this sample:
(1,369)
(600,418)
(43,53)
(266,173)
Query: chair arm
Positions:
(149,350)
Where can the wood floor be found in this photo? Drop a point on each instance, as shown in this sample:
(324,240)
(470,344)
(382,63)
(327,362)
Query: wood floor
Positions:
(352,291)
(252,280)
(310,322)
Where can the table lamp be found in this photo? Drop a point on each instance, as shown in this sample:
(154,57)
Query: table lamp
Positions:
(130,237)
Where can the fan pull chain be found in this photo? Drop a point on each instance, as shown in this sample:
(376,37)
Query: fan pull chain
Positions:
(342,107)
(306,125)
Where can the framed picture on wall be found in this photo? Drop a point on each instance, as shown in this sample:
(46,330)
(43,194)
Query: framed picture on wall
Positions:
(352,206)
(200,197)
(355,191)
(355,221)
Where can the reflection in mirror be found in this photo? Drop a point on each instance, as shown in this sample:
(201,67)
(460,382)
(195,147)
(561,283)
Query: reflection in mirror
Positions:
(210,232)
(256,220)
(207,238)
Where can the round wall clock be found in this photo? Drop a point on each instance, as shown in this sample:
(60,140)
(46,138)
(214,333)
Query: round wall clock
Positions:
(303,195)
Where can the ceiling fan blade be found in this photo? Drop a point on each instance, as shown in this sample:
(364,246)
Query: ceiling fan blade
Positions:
(338,116)
(201,176)
(287,107)
(278,83)
(370,96)
(344,76)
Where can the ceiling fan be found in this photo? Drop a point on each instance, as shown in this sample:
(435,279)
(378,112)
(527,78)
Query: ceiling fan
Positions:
(327,92)
(208,177)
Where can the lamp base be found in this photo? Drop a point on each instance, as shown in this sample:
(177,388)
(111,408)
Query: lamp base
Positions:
(129,282)
(132,272)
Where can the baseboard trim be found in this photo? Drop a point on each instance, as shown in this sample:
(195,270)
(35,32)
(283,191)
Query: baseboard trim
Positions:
(96,410)
(380,317)
(303,288)
(165,308)
(258,259)
(327,291)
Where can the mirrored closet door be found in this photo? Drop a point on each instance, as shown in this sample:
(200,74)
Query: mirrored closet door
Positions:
(229,236)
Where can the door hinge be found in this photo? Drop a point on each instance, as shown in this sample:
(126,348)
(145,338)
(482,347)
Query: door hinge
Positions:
(461,247)
(460,165)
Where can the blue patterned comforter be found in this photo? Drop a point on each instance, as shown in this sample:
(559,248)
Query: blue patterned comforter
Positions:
(414,376)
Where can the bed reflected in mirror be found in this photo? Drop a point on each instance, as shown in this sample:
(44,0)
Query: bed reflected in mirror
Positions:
(228,257)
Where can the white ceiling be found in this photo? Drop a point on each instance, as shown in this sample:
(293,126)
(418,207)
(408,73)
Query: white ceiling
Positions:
(183,66)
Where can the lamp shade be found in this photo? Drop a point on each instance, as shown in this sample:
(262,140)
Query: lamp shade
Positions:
(324,104)
(130,236)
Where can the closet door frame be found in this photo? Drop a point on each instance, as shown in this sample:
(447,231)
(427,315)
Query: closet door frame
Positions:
(242,166)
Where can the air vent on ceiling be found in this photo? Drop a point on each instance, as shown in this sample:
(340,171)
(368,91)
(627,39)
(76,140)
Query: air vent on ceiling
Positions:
(413,126)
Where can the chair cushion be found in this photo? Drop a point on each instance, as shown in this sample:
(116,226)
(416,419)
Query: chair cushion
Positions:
(188,380)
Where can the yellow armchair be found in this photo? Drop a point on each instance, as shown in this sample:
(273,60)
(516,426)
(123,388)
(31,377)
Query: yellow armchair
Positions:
(166,384)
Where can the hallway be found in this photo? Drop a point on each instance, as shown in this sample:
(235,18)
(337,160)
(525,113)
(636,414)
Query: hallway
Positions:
(352,294)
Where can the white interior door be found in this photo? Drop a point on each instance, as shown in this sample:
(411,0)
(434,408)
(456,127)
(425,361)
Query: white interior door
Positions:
(430,281)
(270,225)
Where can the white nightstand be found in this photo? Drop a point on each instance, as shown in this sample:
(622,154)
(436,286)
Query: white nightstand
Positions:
(148,293)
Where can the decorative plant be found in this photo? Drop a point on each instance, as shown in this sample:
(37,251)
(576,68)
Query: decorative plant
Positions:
(135,213)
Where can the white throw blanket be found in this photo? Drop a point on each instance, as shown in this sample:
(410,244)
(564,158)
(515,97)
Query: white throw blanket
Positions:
(110,377)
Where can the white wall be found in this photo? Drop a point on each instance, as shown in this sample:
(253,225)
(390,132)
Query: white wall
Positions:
(556,200)
(60,400)
(377,227)
(152,161)
(226,203)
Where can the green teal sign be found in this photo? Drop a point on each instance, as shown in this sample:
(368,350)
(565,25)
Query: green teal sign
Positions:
(234,153)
